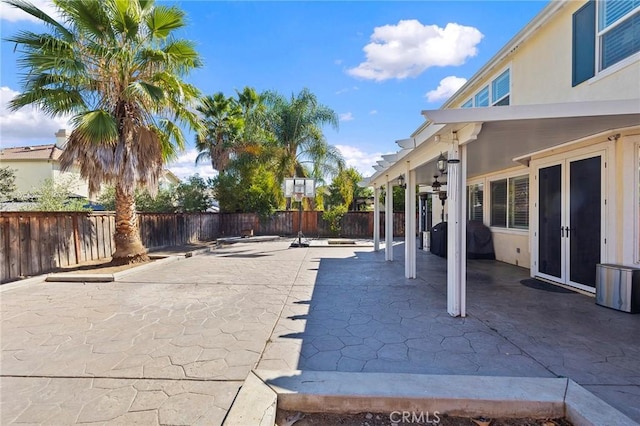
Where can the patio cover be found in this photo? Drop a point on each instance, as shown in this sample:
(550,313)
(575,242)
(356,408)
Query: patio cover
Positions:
(494,138)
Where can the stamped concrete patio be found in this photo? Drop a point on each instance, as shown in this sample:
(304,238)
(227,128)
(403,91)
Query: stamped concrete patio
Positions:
(173,344)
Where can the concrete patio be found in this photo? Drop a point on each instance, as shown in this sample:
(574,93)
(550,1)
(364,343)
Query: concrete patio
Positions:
(172,344)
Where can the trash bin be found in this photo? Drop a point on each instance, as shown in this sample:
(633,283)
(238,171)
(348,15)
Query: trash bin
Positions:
(618,287)
(439,239)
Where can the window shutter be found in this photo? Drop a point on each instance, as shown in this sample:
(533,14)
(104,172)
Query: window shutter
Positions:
(584,43)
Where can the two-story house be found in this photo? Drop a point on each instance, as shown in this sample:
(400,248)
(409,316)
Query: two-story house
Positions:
(542,144)
(32,165)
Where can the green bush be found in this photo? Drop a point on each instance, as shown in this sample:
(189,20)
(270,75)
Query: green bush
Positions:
(334,217)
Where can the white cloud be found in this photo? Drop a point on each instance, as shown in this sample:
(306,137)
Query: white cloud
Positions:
(360,160)
(447,87)
(347,116)
(409,48)
(346,89)
(28,125)
(13,14)
(373,112)
(185,166)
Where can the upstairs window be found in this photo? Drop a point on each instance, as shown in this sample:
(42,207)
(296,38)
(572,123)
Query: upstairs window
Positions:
(618,30)
(500,90)
(482,98)
(602,42)
(495,94)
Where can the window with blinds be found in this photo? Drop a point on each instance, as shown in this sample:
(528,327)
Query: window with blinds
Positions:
(468,104)
(618,30)
(499,203)
(475,202)
(500,89)
(519,202)
(510,203)
(482,98)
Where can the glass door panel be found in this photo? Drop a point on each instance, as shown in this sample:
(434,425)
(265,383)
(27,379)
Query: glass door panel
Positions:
(550,221)
(584,233)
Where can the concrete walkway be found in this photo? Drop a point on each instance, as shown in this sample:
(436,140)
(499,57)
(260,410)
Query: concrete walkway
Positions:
(173,344)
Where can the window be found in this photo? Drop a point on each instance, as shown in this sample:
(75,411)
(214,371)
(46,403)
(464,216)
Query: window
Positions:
(500,90)
(475,202)
(616,36)
(495,94)
(482,98)
(618,30)
(510,203)
(519,202)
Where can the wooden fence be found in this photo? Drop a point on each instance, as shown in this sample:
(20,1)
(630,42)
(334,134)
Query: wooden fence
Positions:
(33,243)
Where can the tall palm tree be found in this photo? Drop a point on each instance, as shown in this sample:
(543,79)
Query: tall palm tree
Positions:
(223,122)
(296,124)
(117,68)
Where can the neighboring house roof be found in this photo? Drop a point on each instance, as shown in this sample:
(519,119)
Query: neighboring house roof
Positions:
(37,152)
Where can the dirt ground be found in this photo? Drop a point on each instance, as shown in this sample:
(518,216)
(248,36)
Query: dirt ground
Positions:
(292,418)
(102,266)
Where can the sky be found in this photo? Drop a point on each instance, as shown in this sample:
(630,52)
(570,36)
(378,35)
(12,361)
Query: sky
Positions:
(377,64)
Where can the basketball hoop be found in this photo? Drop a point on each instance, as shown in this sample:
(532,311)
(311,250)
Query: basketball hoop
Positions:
(296,189)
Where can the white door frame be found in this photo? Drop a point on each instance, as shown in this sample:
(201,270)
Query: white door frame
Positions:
(564,160)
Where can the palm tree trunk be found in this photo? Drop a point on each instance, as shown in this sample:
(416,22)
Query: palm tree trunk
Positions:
(129,247)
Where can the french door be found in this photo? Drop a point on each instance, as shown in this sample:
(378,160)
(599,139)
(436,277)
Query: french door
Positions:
(569,228)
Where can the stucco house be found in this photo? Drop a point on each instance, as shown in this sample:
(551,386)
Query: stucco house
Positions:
(542,145)
(34,164)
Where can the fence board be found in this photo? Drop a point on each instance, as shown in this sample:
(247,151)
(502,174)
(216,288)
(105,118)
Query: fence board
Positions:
(4,249)
(34,242)
(45,241)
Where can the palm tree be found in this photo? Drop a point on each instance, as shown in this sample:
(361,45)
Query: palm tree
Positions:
(117,68)
(296,124)
(223,122)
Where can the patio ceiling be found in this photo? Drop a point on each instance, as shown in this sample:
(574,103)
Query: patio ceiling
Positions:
(509,133)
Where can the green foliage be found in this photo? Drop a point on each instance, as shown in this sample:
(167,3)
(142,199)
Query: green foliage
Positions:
(254,191)
(7,184)
(398,198)
(344,189)
(195,195)
(163,202)
(334,217)
(56,197)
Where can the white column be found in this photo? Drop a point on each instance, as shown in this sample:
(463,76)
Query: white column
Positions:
(410,224)
(456,233)
(376,218)
(388,222)
(436,209)
(463,230)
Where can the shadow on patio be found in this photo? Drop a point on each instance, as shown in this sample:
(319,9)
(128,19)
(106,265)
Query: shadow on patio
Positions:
(361,314)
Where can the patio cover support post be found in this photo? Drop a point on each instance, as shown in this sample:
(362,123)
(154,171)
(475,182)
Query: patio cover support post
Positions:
(456,231)
(376,218)
(388,222)
(410,223)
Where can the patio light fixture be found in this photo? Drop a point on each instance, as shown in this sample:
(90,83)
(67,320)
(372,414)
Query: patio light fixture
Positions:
(441,164)
(401,182)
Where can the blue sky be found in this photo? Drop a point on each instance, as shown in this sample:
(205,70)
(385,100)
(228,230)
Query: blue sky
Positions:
(376,64)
